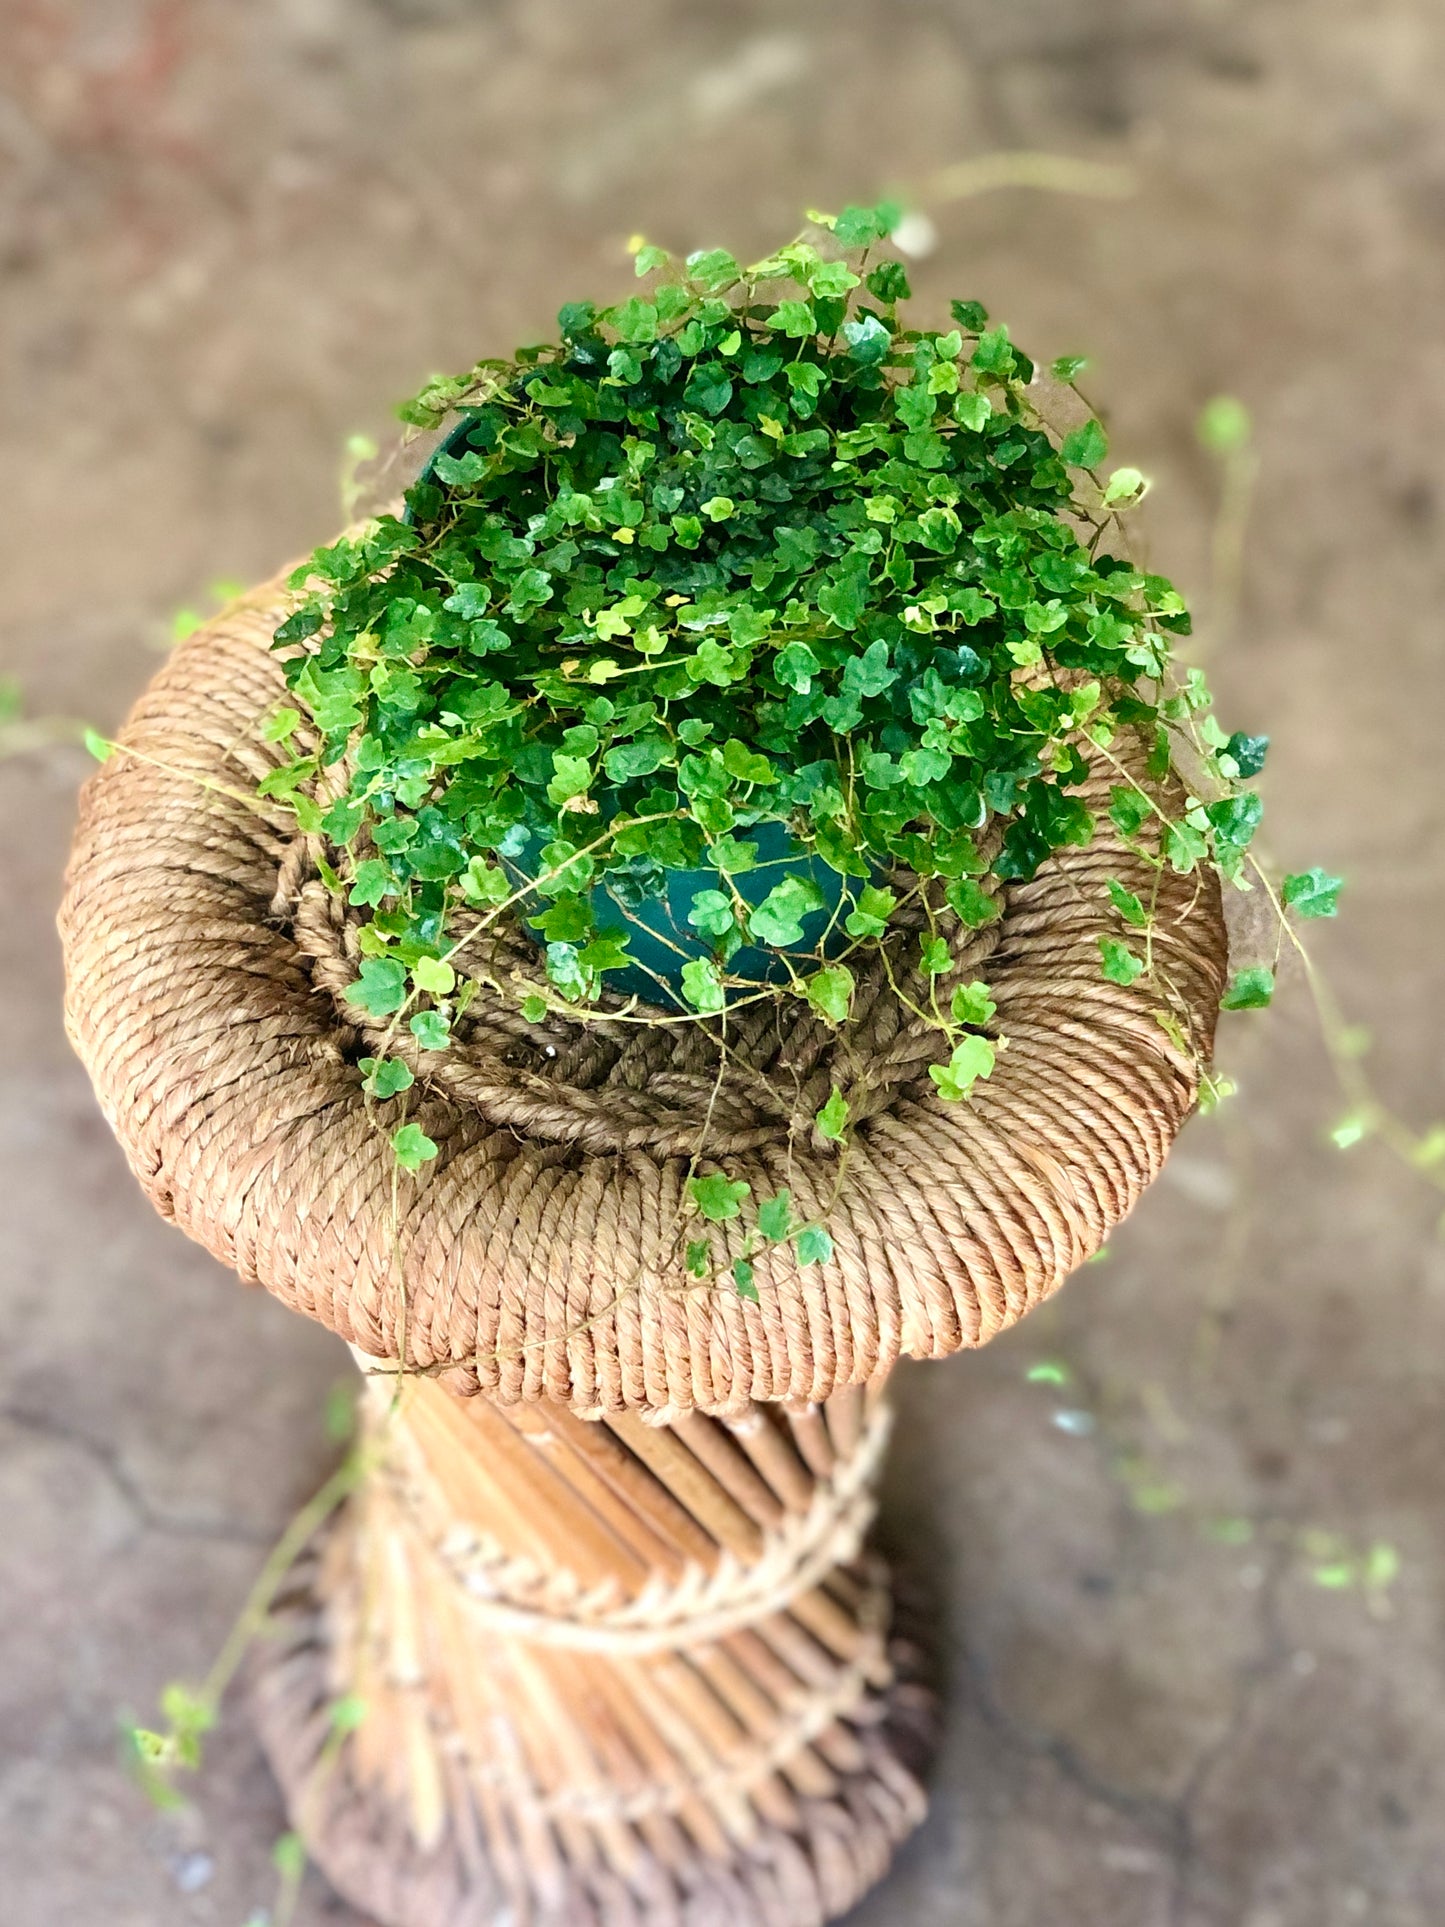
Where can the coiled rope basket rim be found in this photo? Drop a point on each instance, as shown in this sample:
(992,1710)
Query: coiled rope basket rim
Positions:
(528,1261)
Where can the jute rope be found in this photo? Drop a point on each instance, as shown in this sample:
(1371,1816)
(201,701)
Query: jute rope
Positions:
(540,1256)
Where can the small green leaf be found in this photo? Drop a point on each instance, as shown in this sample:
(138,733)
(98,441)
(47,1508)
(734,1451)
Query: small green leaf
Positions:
(1235,818)
(972,905)
(713,269)
(380,988)
(795,318)
(1121,964)
(830,992)
(972,1004)
(1123,485)
(717,1196)
(188,1711)
(288,1856)
(795,667)
(100,747)
(1247,752)
(746,765)
(483,884)
(385,1076)
(371,882)
(993,355)
(1047,1372)
(1312,893)
(470,601)
(832,1120)
(870,916)
(778,919)
(1085,447)
(625,762)
(534,1007)
(888,283)
(430,1029)
(868,340)
(858,227)
(1129,810)
(775,1216)
(712,913)
(1249,989)
(1068,367)
(434,975)
(813,1245)
(412,1147)
(1224,425)
(973,410)
(1185,846)
(973,1058)
(1127,904)
(709,388)
(743,1279)
(1350,1131)
(280,724)
(571,776)
(153,1748)
(702,985)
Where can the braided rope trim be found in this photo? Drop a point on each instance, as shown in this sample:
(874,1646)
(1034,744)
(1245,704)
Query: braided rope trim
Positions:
(850,1690)
(531,1264)
(660,1618)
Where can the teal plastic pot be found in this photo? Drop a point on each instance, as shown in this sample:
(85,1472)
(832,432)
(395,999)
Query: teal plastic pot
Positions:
(663,941)
(454,442)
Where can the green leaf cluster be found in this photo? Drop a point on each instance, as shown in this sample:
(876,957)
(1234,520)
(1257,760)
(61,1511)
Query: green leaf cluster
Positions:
(744,548)
(719,1199)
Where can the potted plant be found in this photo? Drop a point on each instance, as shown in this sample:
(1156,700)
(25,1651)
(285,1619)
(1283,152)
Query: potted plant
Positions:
(745,639)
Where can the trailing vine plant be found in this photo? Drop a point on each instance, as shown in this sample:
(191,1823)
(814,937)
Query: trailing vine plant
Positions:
(746,578)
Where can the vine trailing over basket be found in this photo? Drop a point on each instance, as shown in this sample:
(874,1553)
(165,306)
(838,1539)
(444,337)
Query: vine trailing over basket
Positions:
(746,583)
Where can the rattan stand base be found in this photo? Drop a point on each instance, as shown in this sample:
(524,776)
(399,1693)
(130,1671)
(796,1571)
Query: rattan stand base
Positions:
(615,1674)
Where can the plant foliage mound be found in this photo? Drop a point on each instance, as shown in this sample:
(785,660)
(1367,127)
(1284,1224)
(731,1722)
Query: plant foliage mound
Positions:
(741,555)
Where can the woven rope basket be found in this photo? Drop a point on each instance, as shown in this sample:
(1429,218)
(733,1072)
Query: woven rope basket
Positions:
(537,1257)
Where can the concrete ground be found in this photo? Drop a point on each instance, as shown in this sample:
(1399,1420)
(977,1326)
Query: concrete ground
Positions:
(1190,1600)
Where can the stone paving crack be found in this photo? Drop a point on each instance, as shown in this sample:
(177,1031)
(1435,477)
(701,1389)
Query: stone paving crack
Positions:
(151,1517)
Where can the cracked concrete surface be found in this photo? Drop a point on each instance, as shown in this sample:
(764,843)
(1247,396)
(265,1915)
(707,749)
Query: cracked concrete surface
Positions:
(228,238)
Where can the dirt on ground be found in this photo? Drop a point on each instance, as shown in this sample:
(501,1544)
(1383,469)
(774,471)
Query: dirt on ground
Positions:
(1187,1578)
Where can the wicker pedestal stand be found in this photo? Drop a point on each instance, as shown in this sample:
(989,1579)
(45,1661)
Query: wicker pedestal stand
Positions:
(604,1591)
(612,1672)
